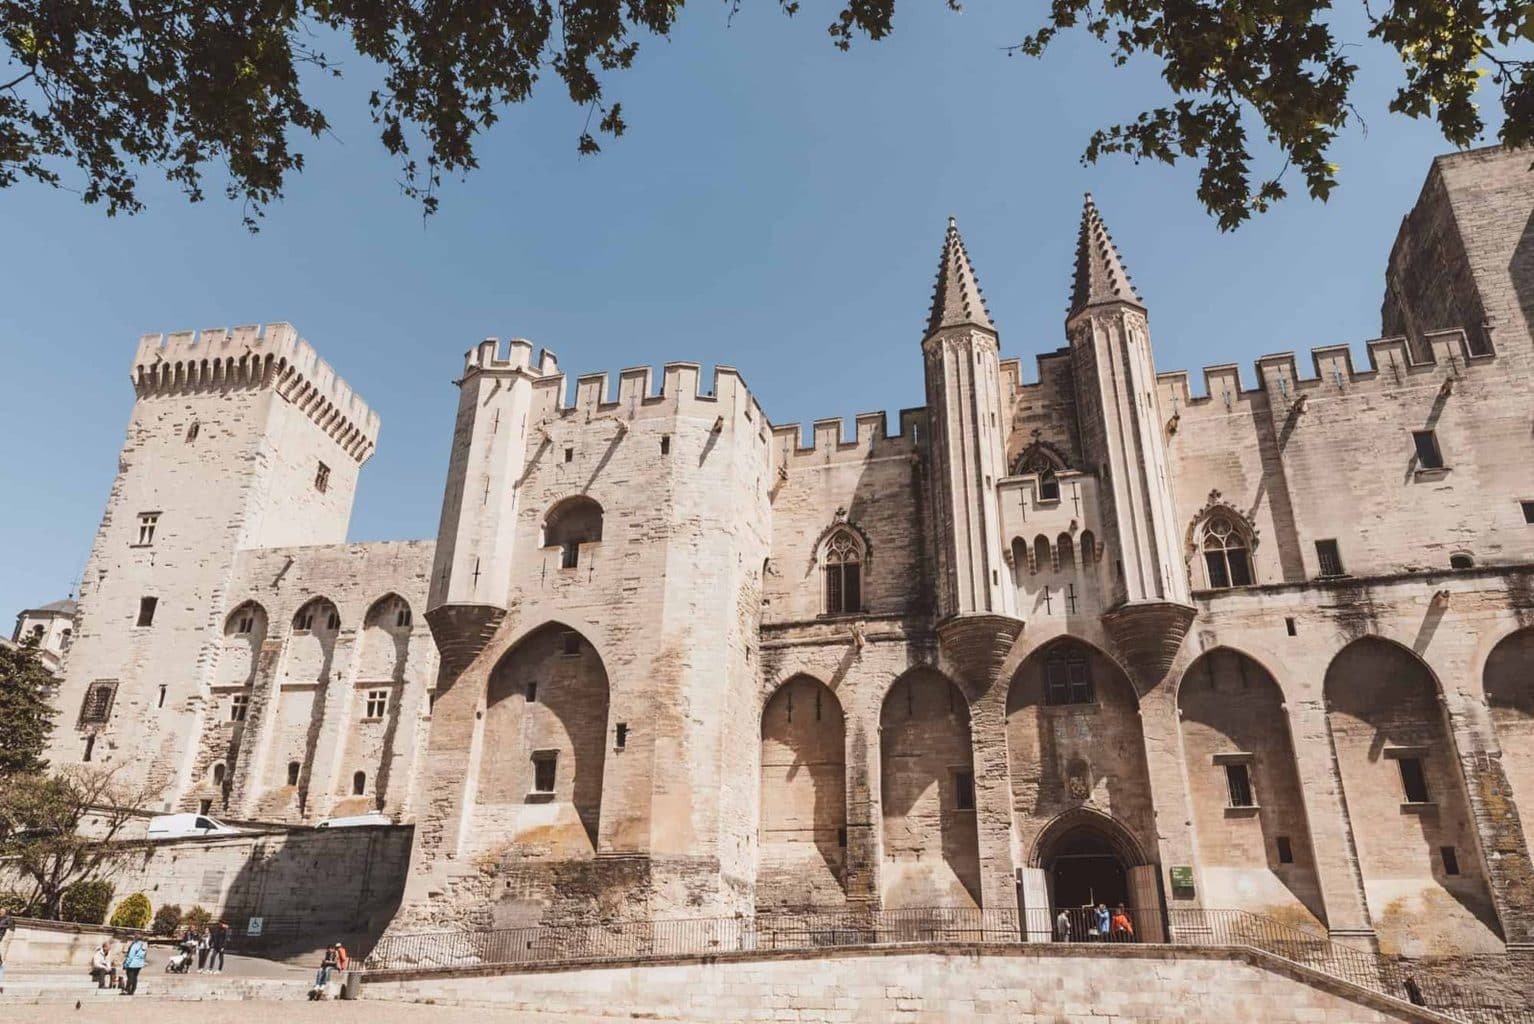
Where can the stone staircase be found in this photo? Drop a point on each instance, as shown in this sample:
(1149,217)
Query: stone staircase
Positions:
(55,985)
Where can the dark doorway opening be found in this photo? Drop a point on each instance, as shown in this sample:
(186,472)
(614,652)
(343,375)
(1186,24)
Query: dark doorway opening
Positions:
(1085,871)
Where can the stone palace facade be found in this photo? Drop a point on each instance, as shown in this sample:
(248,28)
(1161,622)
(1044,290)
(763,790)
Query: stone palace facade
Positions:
(1110,634)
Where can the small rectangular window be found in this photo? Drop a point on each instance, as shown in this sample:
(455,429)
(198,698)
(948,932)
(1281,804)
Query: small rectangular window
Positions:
(841,837)
(377,703)
(1330,557)
(1238,782)
(192,431)
(97,706)
(569,454)
(1528,511)
(964,790)
(1429,456)
(90,747)
(1413,780)
(570,644)
(322,478)
(162,696)
(147,521)
(665,446)
(1290,627)
(239,703)
(621,739)
(1450,860)
(569,555)
(246,623)
(146,607)
(544,771)
(402,616)
(532,692)
(1285,851)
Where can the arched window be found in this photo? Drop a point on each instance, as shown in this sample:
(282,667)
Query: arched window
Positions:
(218,773)
(359,783)
(1041,560)
(1041,459)
(1462,560)
(1066,552)
(1227,553)
(293,767)
(318,614)
(1089,551)
(569,524)
(843,562)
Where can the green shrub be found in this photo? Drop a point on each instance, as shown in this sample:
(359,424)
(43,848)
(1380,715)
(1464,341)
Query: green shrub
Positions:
(132,912)
(86,902)
(196,919)
(167,919)
(15,902)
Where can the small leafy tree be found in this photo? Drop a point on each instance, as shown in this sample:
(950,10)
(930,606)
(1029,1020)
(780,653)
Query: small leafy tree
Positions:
(167,920)
(197,919)
(86,901)
(40,836)
(26,708)
(132,912)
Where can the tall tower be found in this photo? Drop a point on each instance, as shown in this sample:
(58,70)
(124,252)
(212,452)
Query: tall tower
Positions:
(966,448)
(238,439)
(1148,608)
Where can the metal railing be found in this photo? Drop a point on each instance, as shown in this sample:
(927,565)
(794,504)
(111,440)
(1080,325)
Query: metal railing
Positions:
(825,929)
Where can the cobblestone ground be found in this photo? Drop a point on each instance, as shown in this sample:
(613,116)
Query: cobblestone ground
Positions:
(361,1012)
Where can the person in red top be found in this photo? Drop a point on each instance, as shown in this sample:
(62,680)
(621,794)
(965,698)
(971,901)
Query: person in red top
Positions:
(1120,926)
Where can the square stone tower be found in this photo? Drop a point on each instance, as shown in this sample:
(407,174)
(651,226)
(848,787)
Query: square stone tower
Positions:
(239,439)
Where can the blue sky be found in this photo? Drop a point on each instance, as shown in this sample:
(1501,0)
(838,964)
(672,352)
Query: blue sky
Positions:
(777,206)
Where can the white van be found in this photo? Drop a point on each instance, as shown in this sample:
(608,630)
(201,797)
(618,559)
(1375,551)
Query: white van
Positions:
(179,826)
(355,820)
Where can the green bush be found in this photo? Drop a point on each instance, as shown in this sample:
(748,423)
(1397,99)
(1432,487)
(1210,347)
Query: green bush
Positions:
(15,902)
(132,912)
(167,919)
(86,902)
(196,919)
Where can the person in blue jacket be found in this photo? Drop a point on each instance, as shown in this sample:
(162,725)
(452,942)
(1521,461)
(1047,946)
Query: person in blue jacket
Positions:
(137,956)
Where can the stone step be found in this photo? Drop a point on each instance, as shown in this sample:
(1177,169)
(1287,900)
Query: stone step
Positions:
(53,989)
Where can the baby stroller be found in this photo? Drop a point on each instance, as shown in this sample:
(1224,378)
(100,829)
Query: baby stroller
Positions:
(181,963)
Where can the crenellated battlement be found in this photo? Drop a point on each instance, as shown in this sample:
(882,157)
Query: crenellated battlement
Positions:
(516,354)
(871,438)
(1391,366)
(681,393)
(258,356)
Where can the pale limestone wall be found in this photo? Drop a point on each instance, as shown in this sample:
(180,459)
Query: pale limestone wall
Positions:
(802,837)
(1017,986)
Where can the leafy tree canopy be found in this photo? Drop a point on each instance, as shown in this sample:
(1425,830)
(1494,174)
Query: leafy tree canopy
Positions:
(26,714)
(97,90)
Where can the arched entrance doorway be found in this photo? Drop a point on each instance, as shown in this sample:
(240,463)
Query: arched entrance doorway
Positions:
(1081,860)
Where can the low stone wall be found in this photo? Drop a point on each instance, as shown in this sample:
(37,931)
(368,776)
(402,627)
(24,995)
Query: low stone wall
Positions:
(1012,984)
(57,944)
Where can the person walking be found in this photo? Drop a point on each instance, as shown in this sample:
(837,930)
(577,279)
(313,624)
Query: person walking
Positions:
(134,961)
(217,943)
(1062,926)
(6,927)
(204,945)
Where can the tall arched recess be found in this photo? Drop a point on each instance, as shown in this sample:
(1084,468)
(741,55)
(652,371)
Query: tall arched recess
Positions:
(545,742)
(1423,880)
(1509,682)
(1081,796)
(1254,849)
(927,779)
(802,839)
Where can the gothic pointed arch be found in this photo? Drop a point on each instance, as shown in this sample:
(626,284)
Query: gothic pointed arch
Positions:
(570,523)
(1222,538)
(545,742)
(1040,456)
(1253,833)
(1509,685)
(842,551)
(1405,793)
(927,793)
(244,631)
(802,833)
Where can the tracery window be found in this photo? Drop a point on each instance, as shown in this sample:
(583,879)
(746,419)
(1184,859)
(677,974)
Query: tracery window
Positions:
(1227,554)
(843,563)
(1037,459)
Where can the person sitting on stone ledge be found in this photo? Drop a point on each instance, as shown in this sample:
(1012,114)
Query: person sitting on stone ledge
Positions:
(101,965)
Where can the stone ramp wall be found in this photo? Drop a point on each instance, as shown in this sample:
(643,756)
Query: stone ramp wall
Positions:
(1042,984)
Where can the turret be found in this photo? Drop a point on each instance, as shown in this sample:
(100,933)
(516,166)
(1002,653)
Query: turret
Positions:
(1148,609)
(966,449)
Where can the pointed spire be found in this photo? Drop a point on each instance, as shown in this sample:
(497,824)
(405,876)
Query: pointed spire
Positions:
(957,299)
(1100,274)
